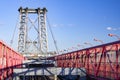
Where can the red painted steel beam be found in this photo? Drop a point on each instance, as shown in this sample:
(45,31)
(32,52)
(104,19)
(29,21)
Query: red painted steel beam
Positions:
(9,59)
(100,61)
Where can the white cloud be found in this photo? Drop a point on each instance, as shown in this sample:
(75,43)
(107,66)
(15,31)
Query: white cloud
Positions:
(113,29)
(109,28)
(54,25)
(62,25)
(70,25)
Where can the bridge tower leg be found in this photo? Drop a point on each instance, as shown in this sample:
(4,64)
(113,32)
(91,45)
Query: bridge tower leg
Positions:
(32,36)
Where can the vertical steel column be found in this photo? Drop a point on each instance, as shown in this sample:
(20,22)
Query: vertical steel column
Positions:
(43,31)
(117,62)
(105,63)
(88,60)
(22,32)
(3,49)
(95,63)
(39,29)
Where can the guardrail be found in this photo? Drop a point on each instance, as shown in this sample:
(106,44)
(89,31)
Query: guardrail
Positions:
(9,58)
(101,61)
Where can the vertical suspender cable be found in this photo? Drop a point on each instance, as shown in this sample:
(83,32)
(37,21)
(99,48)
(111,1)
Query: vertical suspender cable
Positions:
(55,43)
(11,41)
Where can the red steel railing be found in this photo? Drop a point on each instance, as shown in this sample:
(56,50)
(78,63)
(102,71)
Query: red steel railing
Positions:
(99,61)
(8,60)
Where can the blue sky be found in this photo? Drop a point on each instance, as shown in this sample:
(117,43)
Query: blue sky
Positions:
(73,21)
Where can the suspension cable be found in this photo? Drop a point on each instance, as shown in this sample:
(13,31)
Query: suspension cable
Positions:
(55,43)
(11,41)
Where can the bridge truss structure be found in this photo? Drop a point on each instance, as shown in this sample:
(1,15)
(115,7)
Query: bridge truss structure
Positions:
(100,62)
(32,31)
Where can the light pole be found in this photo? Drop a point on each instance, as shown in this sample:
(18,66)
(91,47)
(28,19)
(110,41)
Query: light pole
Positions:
(74,48)
(88,43)
(80,46)
(98,40)
(111,35)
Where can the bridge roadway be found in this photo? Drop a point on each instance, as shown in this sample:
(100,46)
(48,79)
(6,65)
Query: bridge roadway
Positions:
(100,62)
(36,69)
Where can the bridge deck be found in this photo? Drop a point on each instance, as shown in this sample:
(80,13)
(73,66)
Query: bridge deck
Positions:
(101,61)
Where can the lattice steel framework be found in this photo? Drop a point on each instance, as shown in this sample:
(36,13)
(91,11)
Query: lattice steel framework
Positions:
(32,34)
(100,62)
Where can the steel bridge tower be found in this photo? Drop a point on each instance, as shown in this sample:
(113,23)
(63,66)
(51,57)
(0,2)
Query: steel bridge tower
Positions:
(32,36)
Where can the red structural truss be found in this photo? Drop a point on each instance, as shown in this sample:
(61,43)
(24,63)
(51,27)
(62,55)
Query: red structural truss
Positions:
(9,59)
(99,61)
